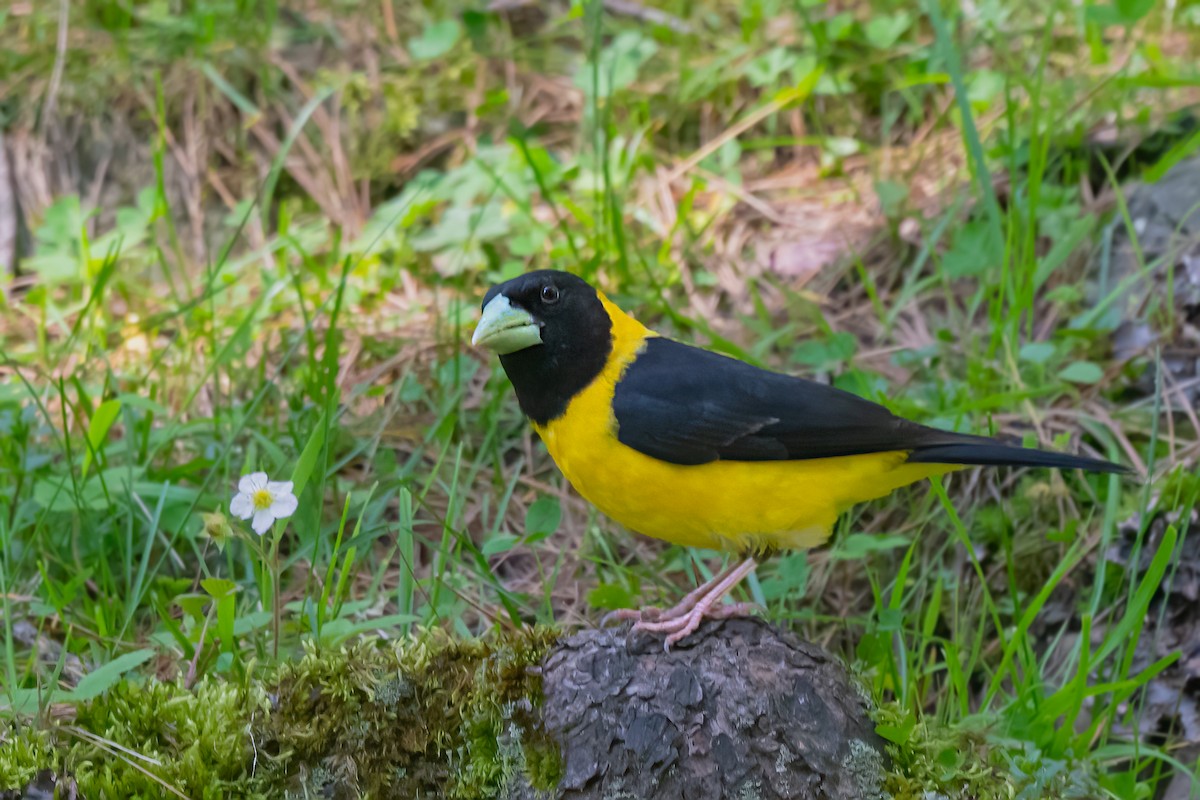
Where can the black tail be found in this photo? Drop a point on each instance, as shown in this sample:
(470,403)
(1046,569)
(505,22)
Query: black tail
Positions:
(989,453)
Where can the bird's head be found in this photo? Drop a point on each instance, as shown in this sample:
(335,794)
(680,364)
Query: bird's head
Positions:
(553,335)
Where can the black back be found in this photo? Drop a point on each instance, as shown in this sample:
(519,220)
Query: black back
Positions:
(689,406)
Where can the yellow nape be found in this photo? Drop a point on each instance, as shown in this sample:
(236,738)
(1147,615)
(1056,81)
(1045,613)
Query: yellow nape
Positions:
(742,506)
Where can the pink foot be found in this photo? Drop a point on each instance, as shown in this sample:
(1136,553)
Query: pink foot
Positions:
(685,624)
(654,614)
(704,601)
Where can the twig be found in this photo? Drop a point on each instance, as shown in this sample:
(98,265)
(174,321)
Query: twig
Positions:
(389,21)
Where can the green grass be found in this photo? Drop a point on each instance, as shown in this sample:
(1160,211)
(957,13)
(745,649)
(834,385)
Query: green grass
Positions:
(364,177)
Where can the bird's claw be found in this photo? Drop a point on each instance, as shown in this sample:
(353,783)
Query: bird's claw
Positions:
(679,626)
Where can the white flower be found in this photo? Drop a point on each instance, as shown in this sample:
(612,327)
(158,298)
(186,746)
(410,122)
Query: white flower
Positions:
(265,501)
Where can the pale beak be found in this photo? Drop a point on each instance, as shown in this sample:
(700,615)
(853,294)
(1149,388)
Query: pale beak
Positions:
(505,328)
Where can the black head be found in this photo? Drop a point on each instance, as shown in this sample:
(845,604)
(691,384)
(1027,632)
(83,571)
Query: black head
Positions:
(553,336)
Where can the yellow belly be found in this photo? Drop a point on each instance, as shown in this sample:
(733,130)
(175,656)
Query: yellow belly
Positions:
(725,505)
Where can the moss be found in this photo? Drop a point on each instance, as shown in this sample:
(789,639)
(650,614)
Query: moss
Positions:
(428,716)
(961,762)
(935,760)
(543,761)
(193,740)
(23,753)
(424,717)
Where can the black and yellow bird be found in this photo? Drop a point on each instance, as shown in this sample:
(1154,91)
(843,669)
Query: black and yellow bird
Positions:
(701,449)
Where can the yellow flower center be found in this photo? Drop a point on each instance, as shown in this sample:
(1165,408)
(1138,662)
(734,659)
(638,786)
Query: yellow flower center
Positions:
(262,499)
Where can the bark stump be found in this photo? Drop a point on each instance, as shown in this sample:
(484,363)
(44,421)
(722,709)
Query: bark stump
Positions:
(737,710)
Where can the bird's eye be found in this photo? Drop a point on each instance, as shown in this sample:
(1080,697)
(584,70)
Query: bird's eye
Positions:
(549,294)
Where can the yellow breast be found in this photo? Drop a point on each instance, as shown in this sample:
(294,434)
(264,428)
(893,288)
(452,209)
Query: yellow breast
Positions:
(726,505)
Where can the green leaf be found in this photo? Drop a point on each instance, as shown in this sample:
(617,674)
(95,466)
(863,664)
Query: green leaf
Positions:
(254,621)
(949,758)
(224,592)
(617,66)
(218,588)
(1081,372)
(798,93)
(976,249)
(98,428)
(244,104)
(542,518)
(1121,12)
(826,353)
(790,577)
(1102,15)
(884,30)
(985,85)
(892,196)
(103,678)
(898,734)
(436,40)
(193,604)
(1132,11)
(26,702)
(1128,628)
(57,493)
(500,543)
(610,596)
(857,545)
(767,68)
(1036,352)
(338,630)
(308,457)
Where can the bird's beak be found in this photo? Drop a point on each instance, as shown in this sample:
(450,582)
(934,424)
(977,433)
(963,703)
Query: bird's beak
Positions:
(505,328)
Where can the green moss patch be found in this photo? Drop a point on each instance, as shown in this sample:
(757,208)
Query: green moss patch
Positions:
(139,738)
(421,717)
(429,716)
(967,761)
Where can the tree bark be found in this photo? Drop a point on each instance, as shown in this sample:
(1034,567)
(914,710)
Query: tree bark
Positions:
(737,710)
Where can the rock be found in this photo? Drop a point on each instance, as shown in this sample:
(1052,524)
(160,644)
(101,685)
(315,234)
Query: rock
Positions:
(737,710)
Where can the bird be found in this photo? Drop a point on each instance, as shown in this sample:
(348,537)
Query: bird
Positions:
(701,449)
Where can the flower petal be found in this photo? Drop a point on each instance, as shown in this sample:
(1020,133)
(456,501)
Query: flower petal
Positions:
(251,483)
(284,505)
(262,521)
(277,488)
(242,506)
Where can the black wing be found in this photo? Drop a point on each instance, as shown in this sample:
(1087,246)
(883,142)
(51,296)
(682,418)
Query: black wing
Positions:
(689,406)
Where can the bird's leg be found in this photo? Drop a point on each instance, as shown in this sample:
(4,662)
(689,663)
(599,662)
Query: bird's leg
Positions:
(653,614)
(684,618)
